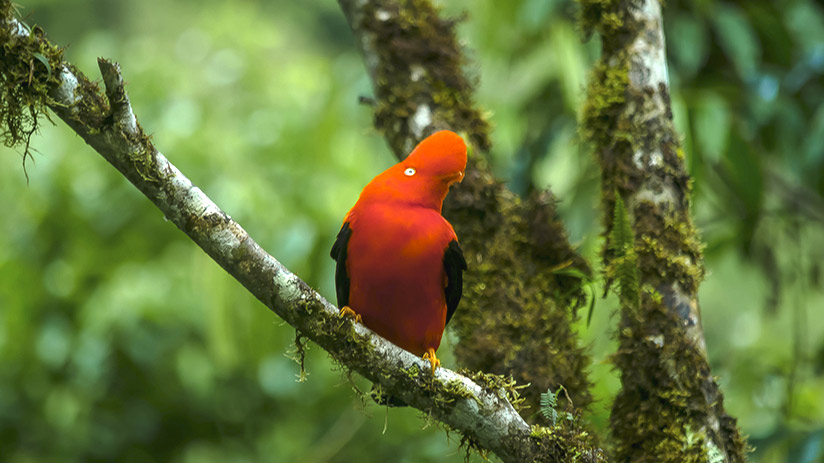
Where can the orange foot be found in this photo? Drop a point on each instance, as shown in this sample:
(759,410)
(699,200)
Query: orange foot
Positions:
(430,355)
(347,311)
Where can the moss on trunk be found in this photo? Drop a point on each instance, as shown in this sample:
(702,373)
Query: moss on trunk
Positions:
(669,407)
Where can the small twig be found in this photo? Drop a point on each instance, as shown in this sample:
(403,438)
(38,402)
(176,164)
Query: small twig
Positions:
(118,99)
(367,101)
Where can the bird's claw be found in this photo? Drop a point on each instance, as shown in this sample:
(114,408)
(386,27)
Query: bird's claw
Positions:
(430,355)
(347,311)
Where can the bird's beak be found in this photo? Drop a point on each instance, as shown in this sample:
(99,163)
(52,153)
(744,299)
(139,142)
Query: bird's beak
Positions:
(457,177)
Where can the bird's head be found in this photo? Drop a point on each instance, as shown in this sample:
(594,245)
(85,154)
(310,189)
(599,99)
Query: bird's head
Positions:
(424,177)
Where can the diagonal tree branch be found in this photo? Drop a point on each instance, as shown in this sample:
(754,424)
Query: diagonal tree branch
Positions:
(670,406)
(481,409)
(524,280)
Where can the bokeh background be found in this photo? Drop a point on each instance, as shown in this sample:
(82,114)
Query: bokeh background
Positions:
(121,341)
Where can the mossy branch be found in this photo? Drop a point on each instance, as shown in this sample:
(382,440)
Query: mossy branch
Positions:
(669,407)
(519,308)
(478,408)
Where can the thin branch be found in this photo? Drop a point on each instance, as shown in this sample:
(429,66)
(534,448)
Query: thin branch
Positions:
(118,99)
(480,411)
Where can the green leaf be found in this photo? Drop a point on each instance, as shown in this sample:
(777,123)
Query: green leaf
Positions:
(45,62)
(737,39)
(549,401)
(591,304)
(573,272)
(712,122)
(691,49)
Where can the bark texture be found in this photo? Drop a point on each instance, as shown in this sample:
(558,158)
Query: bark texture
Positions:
(669,407)
(523,284)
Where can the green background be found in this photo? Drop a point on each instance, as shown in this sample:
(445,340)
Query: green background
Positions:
(121,341)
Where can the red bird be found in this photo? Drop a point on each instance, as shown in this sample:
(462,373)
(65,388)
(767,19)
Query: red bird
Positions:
(399,266)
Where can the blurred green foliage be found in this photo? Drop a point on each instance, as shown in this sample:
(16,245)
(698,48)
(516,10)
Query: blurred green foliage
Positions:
(120,340)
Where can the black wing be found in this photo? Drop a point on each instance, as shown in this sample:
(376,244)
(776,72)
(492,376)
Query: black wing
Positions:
(339,251)
(454,264)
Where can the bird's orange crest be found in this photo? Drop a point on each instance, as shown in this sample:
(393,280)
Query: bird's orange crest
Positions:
(424,177)
(440,155)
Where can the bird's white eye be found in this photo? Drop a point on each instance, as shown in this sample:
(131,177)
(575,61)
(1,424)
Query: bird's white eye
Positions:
(410,171)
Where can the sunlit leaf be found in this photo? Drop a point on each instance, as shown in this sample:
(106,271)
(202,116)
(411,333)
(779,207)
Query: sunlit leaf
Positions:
(737,38)
(45,62)
(712,125)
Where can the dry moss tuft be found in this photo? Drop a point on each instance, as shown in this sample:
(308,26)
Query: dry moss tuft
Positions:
(564,442)
(24,84)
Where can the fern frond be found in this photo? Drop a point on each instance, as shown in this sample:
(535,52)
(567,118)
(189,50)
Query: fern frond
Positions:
(624,267)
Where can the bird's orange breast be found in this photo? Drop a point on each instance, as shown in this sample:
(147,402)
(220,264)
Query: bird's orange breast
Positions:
(396,273)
